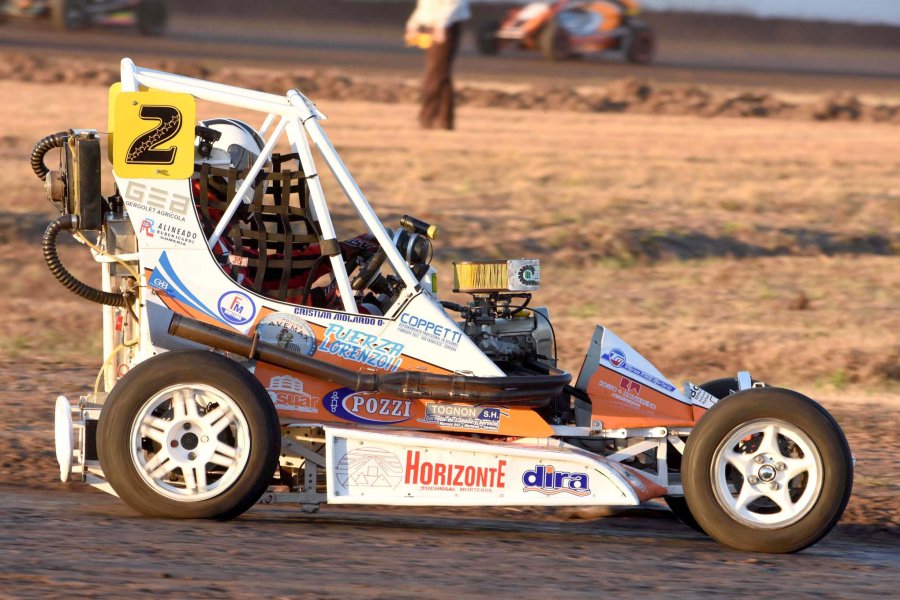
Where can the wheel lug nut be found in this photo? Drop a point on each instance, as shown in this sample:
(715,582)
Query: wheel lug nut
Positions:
(204,438)
(192,456)
(174,443)
(760,459)
(775,486)
(187,426)
(781,466)
(753,480)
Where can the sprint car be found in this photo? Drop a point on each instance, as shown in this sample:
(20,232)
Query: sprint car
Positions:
(565,29)
(149,16)
(252,356)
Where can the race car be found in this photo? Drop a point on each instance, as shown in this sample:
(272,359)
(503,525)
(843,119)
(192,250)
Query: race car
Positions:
(563,29)
(149,16)
(252,356)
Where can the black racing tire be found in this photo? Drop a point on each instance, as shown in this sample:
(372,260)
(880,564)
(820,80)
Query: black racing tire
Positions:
(68,15)
(554,42)
(219,472)
(720,388)
(152,17)
(725,386)
(777,436)
(679,506)
(641,46)
(486,38)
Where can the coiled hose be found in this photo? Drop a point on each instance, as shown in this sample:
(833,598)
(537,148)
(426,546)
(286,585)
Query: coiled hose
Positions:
(54,140)
(71,283)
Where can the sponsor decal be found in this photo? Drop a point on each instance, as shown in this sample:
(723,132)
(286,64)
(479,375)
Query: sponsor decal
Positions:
(625,472)
(369,467)
(316,313)
(547,480)
(289,332)
(165,279)
(429,331)
(156,201)
(236,308)
(630,386)
(617,358)
(287,394)
(361,408)
(451,477)
(147,227)
(701,397)
(364,348)
(529,275)
(167,232)
(464,416)
(629,392)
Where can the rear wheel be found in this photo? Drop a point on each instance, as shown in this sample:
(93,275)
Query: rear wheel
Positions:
(767,470)
(68,15)
(152,17)
(554,42)
(641,46)
(189,435)
(486,38)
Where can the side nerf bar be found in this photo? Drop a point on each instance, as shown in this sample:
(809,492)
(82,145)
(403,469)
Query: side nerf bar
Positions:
(518,390)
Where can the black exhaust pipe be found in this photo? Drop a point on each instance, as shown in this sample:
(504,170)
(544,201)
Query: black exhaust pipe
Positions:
(518,390)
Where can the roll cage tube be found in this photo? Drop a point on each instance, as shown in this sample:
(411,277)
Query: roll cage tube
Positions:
(300,120)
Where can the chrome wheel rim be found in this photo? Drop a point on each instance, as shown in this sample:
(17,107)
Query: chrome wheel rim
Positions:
(190,442)
(767,473)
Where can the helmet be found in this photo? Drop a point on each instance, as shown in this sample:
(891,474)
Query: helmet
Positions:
(238,145)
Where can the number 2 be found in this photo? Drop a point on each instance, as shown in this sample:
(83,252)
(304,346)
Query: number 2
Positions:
(144,150)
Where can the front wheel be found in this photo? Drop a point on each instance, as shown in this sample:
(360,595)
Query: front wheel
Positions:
(554,42)
(767,470)
(152,17)
(189,435)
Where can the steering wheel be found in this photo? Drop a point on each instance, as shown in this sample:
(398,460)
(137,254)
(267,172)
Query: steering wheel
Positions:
(369,271)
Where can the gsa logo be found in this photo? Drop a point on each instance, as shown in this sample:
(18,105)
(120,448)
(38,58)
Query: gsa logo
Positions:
(236,308)
(616,358)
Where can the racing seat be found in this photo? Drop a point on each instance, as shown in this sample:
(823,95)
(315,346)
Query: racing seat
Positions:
(272,244)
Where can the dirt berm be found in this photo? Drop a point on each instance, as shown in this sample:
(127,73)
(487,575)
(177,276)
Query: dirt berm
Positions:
(628,95)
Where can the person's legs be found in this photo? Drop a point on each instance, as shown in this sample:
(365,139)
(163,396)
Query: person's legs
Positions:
(446,115)
(437,87)
(435,61)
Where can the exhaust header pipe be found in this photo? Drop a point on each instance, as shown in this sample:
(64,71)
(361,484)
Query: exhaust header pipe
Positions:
(519,390)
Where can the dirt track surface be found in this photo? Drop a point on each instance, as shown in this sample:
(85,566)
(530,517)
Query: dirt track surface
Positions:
(101,549)
(67,539)
(311,41)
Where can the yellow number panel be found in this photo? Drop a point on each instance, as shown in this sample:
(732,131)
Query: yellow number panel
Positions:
(153,134)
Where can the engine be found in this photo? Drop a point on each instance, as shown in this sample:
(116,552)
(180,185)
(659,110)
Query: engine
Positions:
(499,319)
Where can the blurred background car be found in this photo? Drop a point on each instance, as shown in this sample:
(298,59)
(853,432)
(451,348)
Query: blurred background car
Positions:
(564,29)
(149,16)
